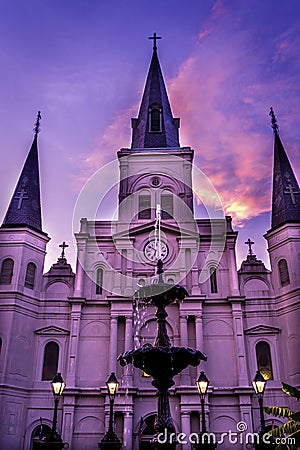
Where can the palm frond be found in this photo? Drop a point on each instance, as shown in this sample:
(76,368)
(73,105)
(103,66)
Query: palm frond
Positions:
(277,411)
(291,390)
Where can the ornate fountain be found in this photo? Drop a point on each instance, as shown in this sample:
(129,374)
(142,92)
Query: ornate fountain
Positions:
(162,361)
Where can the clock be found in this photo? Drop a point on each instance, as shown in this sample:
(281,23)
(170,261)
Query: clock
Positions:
(151,250)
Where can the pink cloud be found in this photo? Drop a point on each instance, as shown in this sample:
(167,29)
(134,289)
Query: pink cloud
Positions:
(223,99)
(115,136)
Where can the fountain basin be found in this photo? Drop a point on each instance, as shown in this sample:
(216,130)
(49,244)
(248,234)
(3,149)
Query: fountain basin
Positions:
(162,362)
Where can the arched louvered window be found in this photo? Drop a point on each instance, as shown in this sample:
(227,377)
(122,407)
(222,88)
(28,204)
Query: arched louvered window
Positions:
(283,272)
(213,280)
(263,359)
(155,120)
(6,272)
(167,206)
(99,281)
(30,275)
(144,206)
(50,363)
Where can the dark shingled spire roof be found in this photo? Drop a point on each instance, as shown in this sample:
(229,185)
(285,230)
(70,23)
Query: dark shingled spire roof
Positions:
(286,193)
(155,97)
(25,206)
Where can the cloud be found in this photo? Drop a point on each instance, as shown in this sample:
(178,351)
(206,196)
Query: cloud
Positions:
(115,136)
(223,98)
(222,92)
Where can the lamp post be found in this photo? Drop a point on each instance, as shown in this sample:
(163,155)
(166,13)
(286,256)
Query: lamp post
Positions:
(110,440)
(259,385)
(202,385)
(204,438)
(53,440)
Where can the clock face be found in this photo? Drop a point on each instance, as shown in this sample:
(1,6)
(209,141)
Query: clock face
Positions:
(151,251)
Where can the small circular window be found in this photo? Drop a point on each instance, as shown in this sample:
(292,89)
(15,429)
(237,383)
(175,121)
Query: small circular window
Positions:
(155,181)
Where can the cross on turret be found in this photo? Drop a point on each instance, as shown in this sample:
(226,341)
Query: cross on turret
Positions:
(22,195)
(291,190)
(249,243)
(63,246)
(154,38)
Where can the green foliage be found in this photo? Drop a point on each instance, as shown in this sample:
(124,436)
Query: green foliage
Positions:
(291,390)
(277,411)
(290,429)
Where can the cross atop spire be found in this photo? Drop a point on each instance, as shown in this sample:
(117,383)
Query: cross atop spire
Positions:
(154,37)
(63,246)
(274,121)
(249,243)
(37,127)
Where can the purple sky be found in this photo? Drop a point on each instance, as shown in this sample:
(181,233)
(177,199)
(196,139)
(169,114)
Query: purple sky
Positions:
(83,64)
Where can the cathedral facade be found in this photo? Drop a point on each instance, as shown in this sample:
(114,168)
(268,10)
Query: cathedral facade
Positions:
(78,323)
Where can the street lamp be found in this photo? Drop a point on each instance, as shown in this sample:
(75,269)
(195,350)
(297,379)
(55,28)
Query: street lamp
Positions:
(110,440)
(202,385)
(259,385)
(53,439)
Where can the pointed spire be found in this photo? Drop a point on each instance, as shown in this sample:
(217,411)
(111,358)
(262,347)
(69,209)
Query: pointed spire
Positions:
(155,126)
(25,206)
(286,193)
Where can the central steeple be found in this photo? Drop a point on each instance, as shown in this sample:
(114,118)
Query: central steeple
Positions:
(155,126)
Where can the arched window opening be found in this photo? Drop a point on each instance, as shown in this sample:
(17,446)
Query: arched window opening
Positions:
(144,206)
(6,272)
(213,280)
(146,432)
(30,275)
(283,272)
(167,210)
(155,120)
(0,346)
(38,435)
(50,363)
(99,281)
(263,358)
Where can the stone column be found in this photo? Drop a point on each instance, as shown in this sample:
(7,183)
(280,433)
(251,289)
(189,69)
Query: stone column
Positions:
(185,424)
(129,269)
(80,263)
(199,332)
(240,343)
(185,378)
(113,343)
(128,346)
(74,341)
(68,420)
(127,433)
(246,411)
(234,284)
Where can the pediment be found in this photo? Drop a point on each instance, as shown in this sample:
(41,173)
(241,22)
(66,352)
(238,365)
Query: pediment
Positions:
(138,229)
(52,331)
(262,330)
